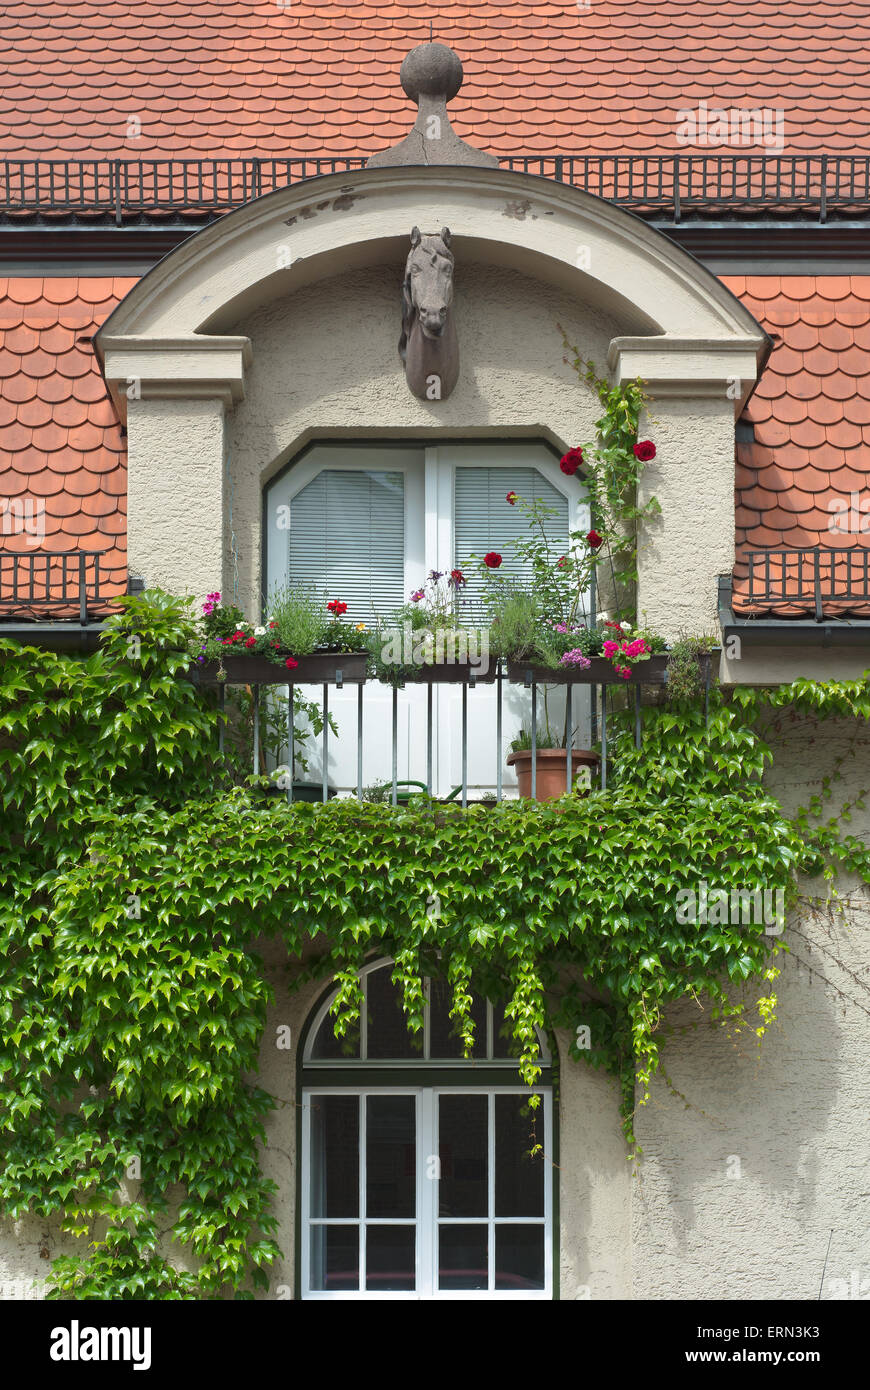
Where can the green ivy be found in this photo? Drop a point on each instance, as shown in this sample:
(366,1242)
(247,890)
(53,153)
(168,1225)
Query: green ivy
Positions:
(135,881)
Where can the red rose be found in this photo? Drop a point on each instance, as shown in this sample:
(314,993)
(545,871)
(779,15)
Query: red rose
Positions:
(492,559)
(594,539)
(645,450)
(570,462)
(512,498)
(291,663)
(458,577)
(337,607)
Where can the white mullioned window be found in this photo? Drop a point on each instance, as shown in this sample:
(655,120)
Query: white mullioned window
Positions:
(431,1178)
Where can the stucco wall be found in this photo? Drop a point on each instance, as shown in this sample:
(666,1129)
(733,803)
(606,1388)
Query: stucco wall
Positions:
(326,365)
(740,1192)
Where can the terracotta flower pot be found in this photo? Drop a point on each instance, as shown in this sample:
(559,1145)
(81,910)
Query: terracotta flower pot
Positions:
(550,770)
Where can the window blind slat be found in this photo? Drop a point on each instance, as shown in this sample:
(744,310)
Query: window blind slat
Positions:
(347,539)
(484,520)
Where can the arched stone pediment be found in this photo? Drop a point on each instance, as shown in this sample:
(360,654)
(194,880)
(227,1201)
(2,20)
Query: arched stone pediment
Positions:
(548,230)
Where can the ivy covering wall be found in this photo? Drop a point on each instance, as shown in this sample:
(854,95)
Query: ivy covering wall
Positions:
(135,880)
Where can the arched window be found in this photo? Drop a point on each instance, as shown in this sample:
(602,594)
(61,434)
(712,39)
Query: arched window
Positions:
(423,1175)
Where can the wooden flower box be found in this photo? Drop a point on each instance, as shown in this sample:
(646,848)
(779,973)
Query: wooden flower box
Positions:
(450,673)
(320,668)
(600,671)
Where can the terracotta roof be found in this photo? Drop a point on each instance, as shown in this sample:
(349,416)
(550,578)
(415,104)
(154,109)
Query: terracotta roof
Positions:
(284,77)
(805,479)
(63,474)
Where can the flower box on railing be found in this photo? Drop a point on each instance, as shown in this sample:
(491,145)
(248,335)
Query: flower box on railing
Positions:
(600,671)
(450,673)
(320,668)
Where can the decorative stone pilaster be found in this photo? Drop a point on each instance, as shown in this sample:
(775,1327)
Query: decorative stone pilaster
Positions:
(172,394)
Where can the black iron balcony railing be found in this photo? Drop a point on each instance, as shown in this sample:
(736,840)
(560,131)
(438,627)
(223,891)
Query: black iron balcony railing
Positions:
(812,578)
(661,185)
(50,583)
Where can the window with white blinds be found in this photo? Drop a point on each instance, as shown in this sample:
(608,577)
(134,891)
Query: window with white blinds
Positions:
(484,520)
(347,539)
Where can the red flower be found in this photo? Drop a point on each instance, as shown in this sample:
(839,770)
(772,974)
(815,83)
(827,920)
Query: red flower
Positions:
(594,539)
(492,559)
(560,563)
(275,645)
(271,624)
(337,607)
(645,450)
(458,577)
(291,663)
(251,642)
(511,497)
(570,462)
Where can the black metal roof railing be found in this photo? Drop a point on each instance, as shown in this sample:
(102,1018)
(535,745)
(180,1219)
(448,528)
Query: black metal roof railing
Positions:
(50,582)
(812,577)
(663,184)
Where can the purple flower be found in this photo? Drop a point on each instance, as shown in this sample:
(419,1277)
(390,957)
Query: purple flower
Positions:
(417,595)
(435,575)
(575,658)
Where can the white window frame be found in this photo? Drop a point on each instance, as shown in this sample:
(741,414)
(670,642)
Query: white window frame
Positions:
(427,1219)
(429,472)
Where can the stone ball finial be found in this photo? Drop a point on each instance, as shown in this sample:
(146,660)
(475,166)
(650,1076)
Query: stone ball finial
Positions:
(431,69)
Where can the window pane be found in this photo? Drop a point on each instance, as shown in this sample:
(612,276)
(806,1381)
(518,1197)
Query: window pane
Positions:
(388,1035)
(463,1150)
(391,1159)
(485,520)
(519,1257)
(335,1258)
(462,1258)
(503,1044)
(519,1177)
(390,1257)
(334,1155)
(328,1048)
(443,1042)
(347,537)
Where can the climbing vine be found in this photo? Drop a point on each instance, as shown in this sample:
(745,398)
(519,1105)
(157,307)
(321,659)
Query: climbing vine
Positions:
(137,876)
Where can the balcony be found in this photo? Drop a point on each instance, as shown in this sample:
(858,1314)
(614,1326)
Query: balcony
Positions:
(446,737)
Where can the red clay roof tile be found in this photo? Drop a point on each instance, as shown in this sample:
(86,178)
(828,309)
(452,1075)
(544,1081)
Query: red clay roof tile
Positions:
(249,78)
(825,410)
(63,445)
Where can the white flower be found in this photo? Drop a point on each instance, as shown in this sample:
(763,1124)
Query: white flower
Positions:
(259,632)
(626,627)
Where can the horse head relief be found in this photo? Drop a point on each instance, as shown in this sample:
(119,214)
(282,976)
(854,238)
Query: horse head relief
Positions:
(428,346)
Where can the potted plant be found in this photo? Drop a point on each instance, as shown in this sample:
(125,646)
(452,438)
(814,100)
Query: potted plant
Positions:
(550,763)
(425,641)
(304,641)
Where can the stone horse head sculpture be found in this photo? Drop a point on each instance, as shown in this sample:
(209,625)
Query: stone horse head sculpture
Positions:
(428,346)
